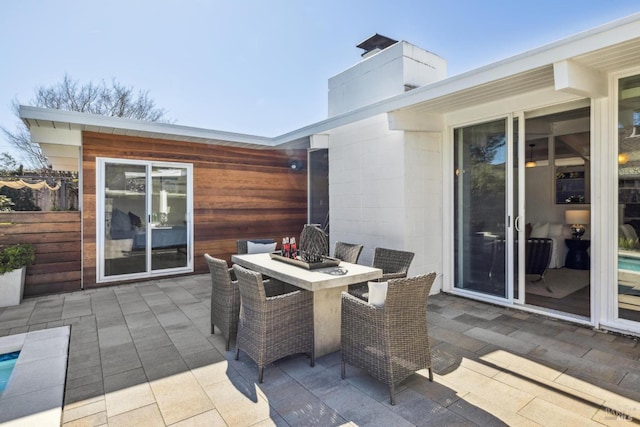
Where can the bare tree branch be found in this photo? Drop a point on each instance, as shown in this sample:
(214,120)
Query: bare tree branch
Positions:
(115,100)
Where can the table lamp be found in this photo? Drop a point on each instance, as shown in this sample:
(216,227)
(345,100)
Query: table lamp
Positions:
(577,219)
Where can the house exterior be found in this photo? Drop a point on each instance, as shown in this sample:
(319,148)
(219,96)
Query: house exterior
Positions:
(416,161)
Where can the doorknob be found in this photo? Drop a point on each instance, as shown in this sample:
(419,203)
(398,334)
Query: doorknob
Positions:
(517,223)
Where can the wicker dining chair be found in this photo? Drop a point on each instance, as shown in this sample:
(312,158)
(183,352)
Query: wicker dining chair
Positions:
(348,252)
(394,265)
(390,342)
(225,298)
(272,327)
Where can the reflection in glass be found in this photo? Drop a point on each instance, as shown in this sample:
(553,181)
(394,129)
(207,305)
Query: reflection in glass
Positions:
(516,195)
(125,215)
(480,206)
(169,213)
(130,230)
(628,198)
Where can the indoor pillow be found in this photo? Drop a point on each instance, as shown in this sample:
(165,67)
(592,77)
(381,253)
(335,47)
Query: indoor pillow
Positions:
(377,293)
(260,248)
(540,230)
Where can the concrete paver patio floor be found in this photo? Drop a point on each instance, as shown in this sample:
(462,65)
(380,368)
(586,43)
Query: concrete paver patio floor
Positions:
(142,354)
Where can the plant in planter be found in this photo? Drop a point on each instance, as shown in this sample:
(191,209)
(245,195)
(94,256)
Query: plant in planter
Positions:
(628,243)
(13,262)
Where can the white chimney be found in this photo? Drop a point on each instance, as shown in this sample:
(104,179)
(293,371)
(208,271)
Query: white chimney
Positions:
(387,68)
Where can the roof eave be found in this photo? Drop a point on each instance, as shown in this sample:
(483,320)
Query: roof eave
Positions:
(53,118)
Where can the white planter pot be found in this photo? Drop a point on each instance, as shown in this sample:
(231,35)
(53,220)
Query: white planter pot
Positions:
(11,287)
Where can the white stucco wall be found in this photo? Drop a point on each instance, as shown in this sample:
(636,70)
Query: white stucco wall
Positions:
(385,189)
(423,197)
(366,185)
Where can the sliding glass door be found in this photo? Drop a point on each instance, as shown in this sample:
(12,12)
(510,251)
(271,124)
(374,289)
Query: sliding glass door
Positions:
(628,289)
(143,218)
(481,230)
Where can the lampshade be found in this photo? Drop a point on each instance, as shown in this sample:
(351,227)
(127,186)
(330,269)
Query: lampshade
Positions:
(576,217)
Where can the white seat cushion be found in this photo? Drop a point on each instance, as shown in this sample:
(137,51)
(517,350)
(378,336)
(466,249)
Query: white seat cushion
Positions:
(377,293)
(260,248)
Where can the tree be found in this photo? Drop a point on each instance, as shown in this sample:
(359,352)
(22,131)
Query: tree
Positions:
(9,165)
(113,100)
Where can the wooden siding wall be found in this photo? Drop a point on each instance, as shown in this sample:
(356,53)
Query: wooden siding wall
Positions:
(238,193)
(57,241)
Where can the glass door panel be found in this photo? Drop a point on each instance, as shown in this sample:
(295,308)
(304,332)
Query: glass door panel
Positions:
(518,232)
(628,295)
(169,217)
(124,218)
(144,212)
(556,146)
(480,188)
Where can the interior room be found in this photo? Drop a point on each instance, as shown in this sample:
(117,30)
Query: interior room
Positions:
(557,205)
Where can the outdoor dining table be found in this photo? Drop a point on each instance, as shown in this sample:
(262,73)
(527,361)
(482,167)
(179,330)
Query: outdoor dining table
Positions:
(326,284)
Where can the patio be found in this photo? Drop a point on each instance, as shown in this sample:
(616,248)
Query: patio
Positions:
(141,354)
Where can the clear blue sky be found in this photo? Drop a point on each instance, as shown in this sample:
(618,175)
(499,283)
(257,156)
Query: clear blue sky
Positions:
(259,66)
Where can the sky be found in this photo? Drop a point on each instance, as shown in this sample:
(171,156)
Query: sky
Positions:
(258,67)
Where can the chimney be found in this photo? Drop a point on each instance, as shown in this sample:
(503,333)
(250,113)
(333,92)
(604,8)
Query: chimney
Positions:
(375,44)
(387,68)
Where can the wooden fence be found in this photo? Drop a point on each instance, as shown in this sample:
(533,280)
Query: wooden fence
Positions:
(56,237)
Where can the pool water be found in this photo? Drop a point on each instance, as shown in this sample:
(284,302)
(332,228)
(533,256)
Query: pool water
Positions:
(7,362)
(629,263)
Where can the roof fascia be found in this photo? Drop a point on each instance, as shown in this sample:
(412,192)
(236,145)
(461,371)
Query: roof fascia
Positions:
(76,119)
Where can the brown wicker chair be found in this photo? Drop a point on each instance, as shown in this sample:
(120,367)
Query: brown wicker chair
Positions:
(348,252)
(394,265)
(225,298)
(271,328)
(389,342)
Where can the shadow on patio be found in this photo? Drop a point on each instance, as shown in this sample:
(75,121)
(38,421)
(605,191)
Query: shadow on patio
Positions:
(142,353)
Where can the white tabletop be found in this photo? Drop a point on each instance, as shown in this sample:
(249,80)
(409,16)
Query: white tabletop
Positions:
(312,280)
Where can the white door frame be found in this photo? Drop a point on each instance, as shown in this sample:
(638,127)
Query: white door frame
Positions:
(100,219)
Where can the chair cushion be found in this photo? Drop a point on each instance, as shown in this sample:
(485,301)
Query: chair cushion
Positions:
(260,248)
(377,293)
